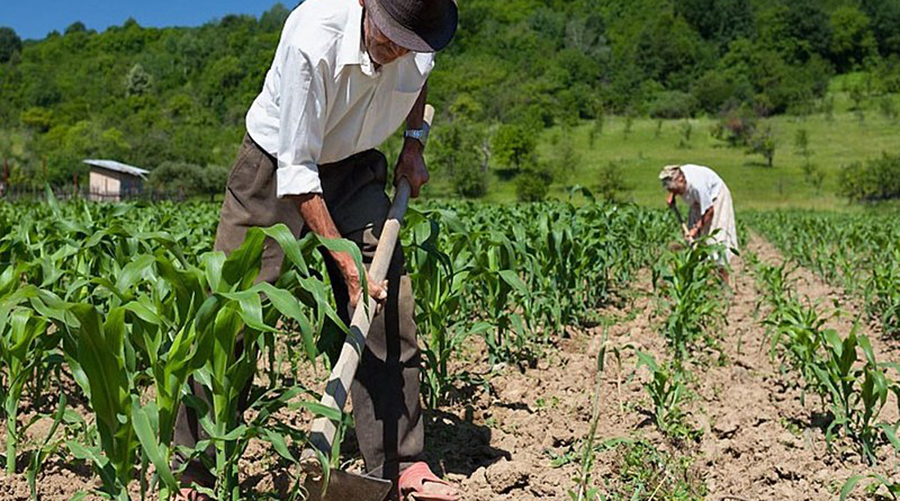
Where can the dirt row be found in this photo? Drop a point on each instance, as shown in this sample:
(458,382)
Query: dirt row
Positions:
(759,441)
(498,439)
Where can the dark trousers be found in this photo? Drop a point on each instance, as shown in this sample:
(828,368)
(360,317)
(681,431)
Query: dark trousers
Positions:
(386,405)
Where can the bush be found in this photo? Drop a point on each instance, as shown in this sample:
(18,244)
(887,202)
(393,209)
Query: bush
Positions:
(185,179)
(736,127)
(762,142)
(876,180)
(469,180)
(460,154)
(533,185)
(674,104)
(612,186)
(712,91)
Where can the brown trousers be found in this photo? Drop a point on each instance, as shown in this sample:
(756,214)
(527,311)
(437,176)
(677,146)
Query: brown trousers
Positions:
(386,405)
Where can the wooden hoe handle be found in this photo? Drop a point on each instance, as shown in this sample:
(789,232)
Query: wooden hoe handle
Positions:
(337,390)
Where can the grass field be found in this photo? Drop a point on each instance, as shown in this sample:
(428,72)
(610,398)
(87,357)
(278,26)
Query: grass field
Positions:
(642,153)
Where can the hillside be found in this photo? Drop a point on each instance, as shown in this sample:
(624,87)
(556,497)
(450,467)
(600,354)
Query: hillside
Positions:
(517,71)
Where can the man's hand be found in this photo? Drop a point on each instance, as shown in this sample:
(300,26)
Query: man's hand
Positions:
(670,200)
(691,234)
(411,165)
(315,214)
(378,292)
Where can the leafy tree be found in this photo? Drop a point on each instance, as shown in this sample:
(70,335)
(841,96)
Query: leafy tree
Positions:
(797,30)
(186,180)
(669,51)
(853,41)
(611,185)
(513,146)
(736,127)
(674,104)
(76,27)
(720,21)
(10,43)
(138,82)
(885,16)
(273,19)
(763,142)
(457,152)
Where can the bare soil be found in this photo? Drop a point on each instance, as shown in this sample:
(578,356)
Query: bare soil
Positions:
(759,440)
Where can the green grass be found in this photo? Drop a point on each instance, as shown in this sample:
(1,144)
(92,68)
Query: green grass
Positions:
(641,154)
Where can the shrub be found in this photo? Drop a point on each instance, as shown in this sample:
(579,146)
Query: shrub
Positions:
(533,185)
(876,180)
(674,104)
(469,180)
(736,126)
(612,185)
(763,142)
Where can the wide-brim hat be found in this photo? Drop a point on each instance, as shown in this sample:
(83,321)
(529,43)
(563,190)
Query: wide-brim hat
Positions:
(417,25)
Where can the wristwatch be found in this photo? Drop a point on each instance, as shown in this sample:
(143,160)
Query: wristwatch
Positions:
(420,135)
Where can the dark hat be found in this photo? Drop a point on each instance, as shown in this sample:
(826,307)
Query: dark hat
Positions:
(417,25)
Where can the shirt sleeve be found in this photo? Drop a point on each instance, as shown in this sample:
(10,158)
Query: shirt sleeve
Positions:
(301,125)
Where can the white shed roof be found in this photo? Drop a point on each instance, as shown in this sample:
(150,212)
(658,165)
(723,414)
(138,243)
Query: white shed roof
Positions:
(118,167)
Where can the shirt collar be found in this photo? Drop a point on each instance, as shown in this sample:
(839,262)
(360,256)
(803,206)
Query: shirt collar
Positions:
(352,51)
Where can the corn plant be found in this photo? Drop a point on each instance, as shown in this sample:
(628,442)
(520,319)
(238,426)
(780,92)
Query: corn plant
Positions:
(856,252)
(856,394)
(689,288)
(854,389)
(439,279)
(667,389)
(797,337)
(878,481)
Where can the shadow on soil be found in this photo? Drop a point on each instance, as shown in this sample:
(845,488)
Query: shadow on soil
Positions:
(458,446)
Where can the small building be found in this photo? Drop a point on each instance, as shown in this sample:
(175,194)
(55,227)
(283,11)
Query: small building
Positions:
(112,181)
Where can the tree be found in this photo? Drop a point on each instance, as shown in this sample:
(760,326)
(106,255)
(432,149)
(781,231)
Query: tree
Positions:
(736,126)
(457,152)
(76,27)
(534,184)
(10,43)
(611,185)
(138,82)
(876,180)
(273,19)
(720,21)
(885,16)
(185,179)
(853,41)
(513,146)
(762,142)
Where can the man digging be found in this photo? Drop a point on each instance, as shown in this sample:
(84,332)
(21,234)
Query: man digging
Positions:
(711,209)
(346,74)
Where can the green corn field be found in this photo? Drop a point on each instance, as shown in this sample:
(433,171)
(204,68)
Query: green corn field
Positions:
(108,311)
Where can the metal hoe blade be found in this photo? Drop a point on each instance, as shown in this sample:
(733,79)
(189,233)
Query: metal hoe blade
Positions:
(343,486)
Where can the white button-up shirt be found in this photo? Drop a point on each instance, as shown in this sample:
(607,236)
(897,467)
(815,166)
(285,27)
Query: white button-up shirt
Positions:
(323,100)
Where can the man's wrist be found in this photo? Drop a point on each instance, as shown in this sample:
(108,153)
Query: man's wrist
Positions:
(411,145)
(417,134)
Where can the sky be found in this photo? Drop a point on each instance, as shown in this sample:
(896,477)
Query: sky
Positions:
(34,19)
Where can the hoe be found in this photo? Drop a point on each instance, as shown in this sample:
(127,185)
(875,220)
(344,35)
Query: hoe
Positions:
(341,485)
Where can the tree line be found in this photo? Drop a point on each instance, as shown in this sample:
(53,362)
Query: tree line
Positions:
(176,97)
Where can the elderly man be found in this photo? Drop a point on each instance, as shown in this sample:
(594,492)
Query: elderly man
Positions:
(346,74)
(711,213)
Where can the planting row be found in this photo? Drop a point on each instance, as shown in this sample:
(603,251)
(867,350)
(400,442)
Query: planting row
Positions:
(106,312)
